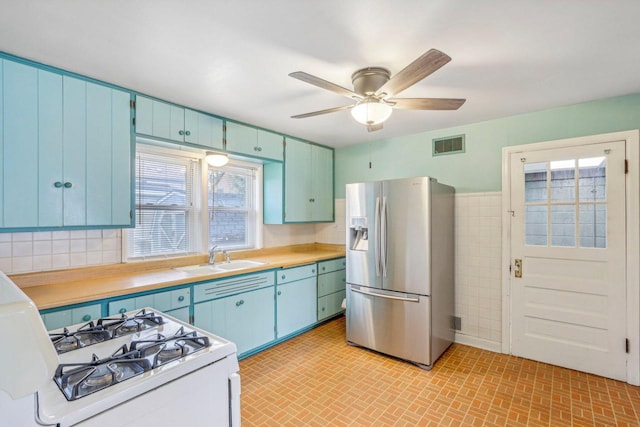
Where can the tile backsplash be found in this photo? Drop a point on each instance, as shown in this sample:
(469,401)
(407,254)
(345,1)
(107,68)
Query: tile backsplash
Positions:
(54,250)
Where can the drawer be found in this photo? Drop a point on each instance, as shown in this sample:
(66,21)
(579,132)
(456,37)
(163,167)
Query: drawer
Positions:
(331,265)
(295,273)
(232,285)
(330,305)
(161,301)
(67,317)
(332,282)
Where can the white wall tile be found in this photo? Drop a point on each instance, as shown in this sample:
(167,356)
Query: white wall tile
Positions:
(21,264)
(56,235)
(42,247)
(42,262)
(60,261)
(5,249)
(78,245)
(22,249)
(22,237)
(60,246)
(42,235)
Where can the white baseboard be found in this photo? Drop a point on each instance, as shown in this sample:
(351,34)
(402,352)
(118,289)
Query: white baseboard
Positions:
(478,342)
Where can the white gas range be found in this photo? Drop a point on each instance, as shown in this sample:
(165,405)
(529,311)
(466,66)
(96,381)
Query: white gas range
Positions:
(141,367)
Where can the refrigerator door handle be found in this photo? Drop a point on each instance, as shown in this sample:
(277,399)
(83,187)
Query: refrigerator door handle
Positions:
(373,294)
(376,238)
(383,236)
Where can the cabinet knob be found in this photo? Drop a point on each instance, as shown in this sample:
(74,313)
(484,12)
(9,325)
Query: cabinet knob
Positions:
(68,184)
(312,200)
(322,308)
(279,292)
(313,271)
(180,132)
(324,268)
(86,318)
(284,277)
(255,149)
(181,298)
(57,184)
(239,303)
(122,310)
(188,133)
(259,148)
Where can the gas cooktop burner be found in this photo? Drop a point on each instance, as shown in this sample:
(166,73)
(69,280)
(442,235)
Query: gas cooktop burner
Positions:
(165,349)
(87,334)
(128,325)
(77,380)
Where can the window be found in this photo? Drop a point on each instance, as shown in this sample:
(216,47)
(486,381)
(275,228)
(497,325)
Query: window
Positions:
(166,210)
(566,201)
(232,206)
(183,207)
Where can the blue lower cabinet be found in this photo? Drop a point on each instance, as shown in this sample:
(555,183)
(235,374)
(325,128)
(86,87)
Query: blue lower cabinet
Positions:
(247,319)
(296,306)
(71,316)
(180,314)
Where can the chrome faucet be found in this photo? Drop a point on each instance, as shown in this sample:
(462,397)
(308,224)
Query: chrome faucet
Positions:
(227,256)
(212,254)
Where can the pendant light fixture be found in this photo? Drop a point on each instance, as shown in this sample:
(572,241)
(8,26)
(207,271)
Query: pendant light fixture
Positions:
(216,159)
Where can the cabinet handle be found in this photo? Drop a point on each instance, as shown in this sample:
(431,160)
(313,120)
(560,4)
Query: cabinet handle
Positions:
(122,311)
(324,268)
(57,184)
(86,318)
(68,184)
(181,298)
(284,277)
(239,303)
(279,292)
(180,132)
(313,271)
(188,133)
(322,308)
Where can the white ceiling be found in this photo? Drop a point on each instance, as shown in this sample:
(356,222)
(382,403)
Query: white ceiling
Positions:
(233,57)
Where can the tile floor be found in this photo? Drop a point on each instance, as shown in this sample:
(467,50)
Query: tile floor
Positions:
(316,379)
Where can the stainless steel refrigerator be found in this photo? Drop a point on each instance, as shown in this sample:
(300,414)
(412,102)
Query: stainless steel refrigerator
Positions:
(400,277)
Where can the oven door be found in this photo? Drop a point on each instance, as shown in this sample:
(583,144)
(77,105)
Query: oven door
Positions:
(198,399)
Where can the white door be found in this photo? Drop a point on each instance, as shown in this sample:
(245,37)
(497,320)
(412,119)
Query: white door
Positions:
(568,308)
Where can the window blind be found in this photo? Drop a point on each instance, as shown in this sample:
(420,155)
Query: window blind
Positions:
(165,213)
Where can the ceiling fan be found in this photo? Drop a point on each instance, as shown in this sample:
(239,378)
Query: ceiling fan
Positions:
(374,90)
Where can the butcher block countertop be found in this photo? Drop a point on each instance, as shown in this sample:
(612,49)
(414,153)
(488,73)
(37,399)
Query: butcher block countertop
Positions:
(64,287)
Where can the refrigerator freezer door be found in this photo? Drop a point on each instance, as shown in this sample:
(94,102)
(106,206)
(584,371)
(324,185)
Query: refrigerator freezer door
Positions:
(393,323)
(406,232)
(363,262)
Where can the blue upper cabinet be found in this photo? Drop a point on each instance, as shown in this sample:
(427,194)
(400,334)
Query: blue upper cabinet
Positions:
(254,142)
(174,123)
(66,149)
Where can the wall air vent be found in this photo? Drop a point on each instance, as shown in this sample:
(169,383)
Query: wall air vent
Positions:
(448,145)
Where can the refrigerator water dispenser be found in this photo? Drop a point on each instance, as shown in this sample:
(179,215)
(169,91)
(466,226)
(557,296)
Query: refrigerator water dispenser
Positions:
(358,234)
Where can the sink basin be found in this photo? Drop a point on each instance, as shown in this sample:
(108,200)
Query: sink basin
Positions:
(204,269)
(238,264)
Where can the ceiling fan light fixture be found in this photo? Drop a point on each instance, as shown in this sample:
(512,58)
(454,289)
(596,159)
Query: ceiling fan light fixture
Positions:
(371,111)
(216,159)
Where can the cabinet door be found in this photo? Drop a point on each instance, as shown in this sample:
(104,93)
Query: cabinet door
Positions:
(144,115)
(296,306)
(242,139)
(297,180)
(177,123)
(96,155)
(246,319)
(270,145)
(202,129)
(20,160)
(161,119)
(321,183)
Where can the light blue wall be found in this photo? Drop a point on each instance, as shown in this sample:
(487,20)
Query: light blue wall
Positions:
(479,168)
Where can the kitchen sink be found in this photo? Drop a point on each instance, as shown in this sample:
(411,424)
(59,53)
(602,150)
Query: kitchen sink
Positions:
(238,264)
(221,267)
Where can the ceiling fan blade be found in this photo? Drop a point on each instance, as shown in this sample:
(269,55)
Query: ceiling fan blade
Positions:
(426,103)
(321,83)
(373,128)
(414,72)
(317,113)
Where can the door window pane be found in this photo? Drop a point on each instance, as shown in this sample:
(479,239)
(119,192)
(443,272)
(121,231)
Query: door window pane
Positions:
(563,225)
(592,172)
(536,225)
(535,182)
(563,181)
(593,226)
